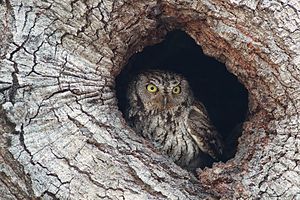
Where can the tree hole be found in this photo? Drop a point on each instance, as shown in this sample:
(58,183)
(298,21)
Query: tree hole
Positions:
(224,97)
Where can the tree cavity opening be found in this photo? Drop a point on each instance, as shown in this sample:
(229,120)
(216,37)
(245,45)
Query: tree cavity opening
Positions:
(224,97)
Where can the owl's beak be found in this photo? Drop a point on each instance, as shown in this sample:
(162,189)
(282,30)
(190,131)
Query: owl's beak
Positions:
(165,101)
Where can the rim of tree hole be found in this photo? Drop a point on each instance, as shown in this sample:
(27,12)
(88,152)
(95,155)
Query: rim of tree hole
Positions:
(224,97)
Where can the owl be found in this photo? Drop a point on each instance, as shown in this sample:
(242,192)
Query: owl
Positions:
(162,108)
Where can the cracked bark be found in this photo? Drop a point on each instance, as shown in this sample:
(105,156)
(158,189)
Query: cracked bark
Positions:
(62,135)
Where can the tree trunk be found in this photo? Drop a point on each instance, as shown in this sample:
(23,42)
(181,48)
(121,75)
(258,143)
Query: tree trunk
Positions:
(62,135)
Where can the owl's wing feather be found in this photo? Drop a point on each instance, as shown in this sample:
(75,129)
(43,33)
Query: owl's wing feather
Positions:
(203,132)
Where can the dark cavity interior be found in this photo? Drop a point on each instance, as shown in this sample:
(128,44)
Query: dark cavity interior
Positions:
(224,97)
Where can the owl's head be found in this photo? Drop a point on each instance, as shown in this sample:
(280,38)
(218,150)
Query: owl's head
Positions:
(159,90)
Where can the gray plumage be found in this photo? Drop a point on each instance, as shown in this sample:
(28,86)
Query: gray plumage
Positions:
(162,108)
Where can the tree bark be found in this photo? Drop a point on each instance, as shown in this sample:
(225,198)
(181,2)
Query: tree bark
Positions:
(62,135)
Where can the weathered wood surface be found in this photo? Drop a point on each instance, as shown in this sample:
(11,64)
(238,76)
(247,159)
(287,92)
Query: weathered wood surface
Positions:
(62,135)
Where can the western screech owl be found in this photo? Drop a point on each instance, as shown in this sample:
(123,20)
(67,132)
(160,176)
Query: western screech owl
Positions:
(163,109)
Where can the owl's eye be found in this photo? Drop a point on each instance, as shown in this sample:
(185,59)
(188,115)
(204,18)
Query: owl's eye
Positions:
(176,89)
(151,88)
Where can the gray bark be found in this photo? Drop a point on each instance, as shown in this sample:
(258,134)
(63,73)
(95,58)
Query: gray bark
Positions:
(62,135)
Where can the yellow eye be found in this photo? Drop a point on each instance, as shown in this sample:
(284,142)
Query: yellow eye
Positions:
(176,89)
(151,88)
